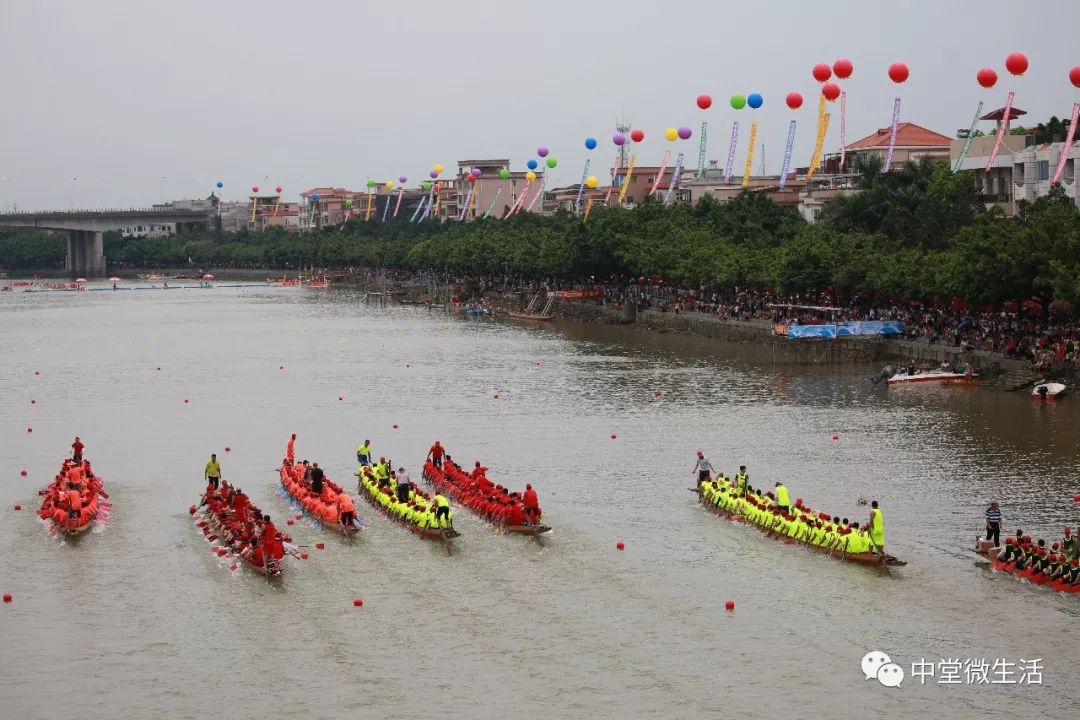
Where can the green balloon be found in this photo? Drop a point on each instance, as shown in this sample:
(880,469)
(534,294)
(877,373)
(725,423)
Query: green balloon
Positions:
(371,183)
(348,203)
(738,101)
(504,174)
(552,162)
(426,186)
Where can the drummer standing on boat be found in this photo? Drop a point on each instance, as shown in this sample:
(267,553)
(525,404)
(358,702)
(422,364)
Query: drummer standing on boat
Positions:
(877,527)
(363,453)
(993,523)
(703,467)
(212,472)
(76,450)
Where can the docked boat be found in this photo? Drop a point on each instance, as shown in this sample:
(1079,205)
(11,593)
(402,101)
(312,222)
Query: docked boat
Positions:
(1048,390)
(508,516)
(869,559)
(74,501)
(530,316)
(422,523)
(317,283)
(934,376)
(324,510)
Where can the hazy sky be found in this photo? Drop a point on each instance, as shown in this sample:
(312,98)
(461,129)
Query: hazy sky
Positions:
(123,93)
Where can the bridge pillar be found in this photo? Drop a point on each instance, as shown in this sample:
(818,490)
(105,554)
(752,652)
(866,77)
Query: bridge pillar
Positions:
(69,259)
(85,254)
(96,245)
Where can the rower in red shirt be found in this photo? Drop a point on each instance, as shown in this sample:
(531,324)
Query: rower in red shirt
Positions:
(516,514)
(273,547)
(76,450)
(290,448)
(532,504)
(240,504)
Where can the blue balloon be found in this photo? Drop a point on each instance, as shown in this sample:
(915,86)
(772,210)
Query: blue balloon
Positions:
(532,164)
(755,100)
(315,197)
(590,143)
(220,184)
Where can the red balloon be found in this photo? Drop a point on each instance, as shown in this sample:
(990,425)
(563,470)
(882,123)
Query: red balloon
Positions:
(7,597)
(358,602)
(1074,76)
(438,187)
(23,473)
(898,72)
(254,188)
(830,90)
(619,545)
(987,77)
(277,189)
(821,72)
(703,101)
(637,135)
(794,100)
(471,178)
(1016,63)
(729,605)
(843,68)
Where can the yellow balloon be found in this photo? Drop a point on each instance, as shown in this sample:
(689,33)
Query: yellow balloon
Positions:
(389,184)
(438,168)
(671,134)
(530,175)
(591,182)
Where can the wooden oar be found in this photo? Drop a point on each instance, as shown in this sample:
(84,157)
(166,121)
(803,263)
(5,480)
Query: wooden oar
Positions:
(535,531)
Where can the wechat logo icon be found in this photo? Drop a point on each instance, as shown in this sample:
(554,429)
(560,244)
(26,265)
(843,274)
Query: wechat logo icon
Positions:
(876,664)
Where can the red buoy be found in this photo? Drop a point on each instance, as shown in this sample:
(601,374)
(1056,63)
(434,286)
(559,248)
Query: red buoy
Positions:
(18,507)
(233,567)
(7,597)
(620,545)
(835,437)
(23,473)
(159,369)
(408,365)
(36,372)
(320,546)
(395,426)
(185,401)
(33,402)
(612,436)
(729,606)
(658,393)
(340,397)
(496,396)
(357,602)
(290,521)
(1076,498)
(228,449)
(303,556)
(299,516)
(30,429)
(281,367)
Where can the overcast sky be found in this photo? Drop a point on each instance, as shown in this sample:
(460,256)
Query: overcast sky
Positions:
(142,99)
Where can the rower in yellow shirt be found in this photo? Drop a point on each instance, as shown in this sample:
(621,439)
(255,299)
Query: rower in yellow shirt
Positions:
(877,529)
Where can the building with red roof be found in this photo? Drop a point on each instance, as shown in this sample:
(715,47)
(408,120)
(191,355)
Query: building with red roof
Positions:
(913,142)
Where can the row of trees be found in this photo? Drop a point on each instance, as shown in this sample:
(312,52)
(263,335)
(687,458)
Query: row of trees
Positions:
(918,232)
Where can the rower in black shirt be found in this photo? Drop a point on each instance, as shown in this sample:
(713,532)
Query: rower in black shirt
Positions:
(316,479)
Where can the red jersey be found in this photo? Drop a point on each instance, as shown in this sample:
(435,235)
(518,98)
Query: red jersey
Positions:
(531,501)
(516,515)
(77,448)
(437,450)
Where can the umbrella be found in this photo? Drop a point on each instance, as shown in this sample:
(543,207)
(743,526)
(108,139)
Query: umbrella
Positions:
(114,279)
(80,279)
(207,276)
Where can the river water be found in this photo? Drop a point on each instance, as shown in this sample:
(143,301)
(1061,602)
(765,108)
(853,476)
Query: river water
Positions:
(141,620)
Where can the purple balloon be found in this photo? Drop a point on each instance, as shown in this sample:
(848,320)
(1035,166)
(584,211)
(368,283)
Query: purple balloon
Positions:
(433,174)
(685,132)
(618,138)
(475,172)
(402,179)
(542,151)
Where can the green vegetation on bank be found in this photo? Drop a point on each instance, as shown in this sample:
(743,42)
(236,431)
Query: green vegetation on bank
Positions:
(919,232)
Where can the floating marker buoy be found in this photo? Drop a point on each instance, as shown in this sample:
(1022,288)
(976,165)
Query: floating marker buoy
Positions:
(612,436)
(835,437)
(7,597)
(18,507)
(729,606)
(358,602)
(290,521)
(159,369)
(658,393)
(299,516)
(281,367)
(36,372)
(185,401)
(228,449)
(496,396)
(23,473)
(30,429)
(395,426)
(619,545)
(303,556)
(233,568)
(340,397)
(408,365)
(33,402)
(320,546)
(1076,498)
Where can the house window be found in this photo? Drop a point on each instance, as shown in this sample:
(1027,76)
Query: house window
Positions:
(1044,169)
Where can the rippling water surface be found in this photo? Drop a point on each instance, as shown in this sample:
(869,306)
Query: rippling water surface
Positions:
(142,620)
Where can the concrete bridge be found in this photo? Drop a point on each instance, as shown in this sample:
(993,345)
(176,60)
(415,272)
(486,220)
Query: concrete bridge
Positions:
(85,228)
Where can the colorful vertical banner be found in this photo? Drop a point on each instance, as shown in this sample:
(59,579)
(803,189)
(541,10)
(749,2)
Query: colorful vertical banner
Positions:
(750,155)
(1001,131)
(731,151)
(536,197)
(626,178)
(588,209)
(818,146)
(386,207)
(419,207)
(519,201)
(468,201)
(370,205)
(843,129)
(675,175)
(787,154)
(892,136)
(397,205)
(581,187)
(660,173)
(970,137)
(498,191)
(1066,149)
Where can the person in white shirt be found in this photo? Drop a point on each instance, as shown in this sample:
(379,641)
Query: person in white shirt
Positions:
(702,467)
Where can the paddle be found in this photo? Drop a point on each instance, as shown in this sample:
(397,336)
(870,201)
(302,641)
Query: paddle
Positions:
(535,531)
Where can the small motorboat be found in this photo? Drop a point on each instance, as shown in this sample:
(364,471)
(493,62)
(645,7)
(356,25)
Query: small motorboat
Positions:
(1048,390)
(939,376)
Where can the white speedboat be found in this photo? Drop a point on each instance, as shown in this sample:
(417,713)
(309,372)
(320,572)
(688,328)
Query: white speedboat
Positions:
(1048,390)
(939,376)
